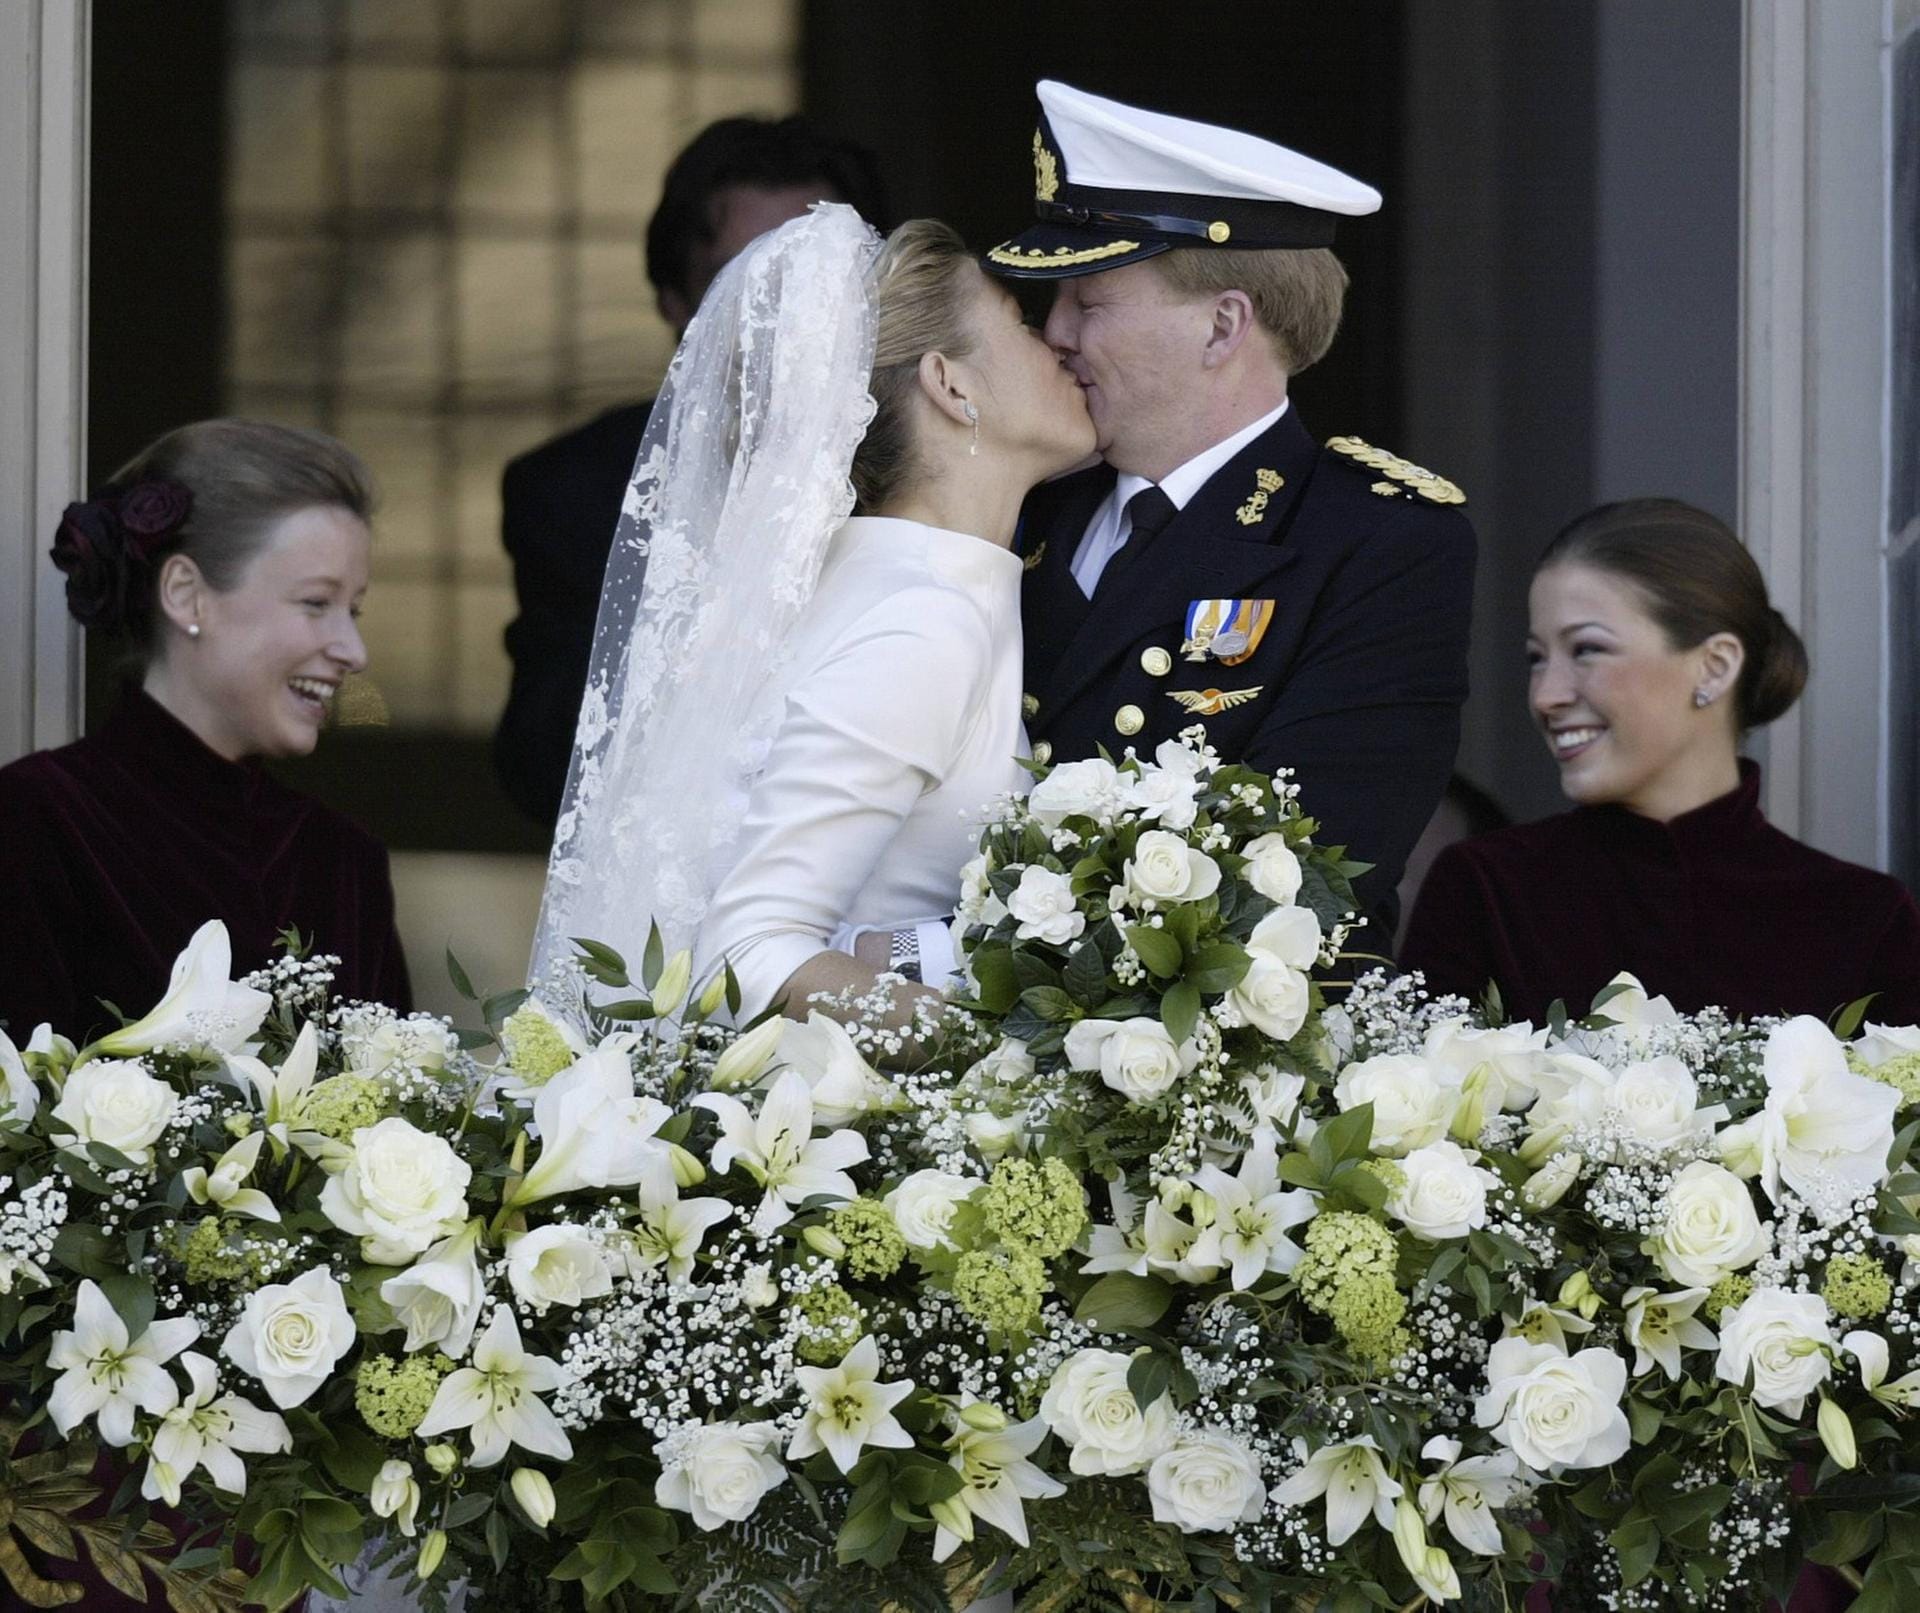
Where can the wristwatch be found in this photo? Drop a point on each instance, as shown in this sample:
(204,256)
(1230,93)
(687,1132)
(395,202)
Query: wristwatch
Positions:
(903,954)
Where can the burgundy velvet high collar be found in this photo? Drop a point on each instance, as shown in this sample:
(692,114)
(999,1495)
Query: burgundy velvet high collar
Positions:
(1720,826)
(150,737)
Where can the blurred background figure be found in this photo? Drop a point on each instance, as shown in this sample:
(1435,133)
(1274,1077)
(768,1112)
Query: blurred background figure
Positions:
(229,560)
(1464,810)
(739,178)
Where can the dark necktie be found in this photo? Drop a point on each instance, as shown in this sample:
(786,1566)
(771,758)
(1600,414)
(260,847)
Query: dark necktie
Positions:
(1149,510)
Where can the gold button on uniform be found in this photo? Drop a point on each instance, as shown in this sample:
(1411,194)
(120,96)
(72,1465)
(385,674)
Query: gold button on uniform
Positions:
(1129,719)
(1043,753)
(1030,704)
(1156,662)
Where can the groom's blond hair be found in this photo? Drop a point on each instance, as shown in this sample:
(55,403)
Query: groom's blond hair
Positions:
(1297,293)
(923,279)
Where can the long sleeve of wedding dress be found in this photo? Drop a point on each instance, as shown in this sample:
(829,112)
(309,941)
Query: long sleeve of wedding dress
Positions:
(901,723)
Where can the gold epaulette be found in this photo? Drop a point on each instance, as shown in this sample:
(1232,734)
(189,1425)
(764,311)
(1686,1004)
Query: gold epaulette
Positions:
(1404,477)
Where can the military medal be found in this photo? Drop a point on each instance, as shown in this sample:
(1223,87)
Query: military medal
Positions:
(1225,630)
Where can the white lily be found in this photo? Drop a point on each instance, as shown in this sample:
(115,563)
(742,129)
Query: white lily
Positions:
(1660,1326)
(670,1232)
(18,1090)
(1352,1478)
(1467,1492)
(1826,1131)
(848,1408)
(1870,1350)
(779,1151)
(281,1093)
(1252,1216)
(844,1085)
(1173,1246)
(438,1297)
(223,1186)
(995,1477)
(105,1373)
(596,1131)
(203,1431)
(498,1398)
(204,1009)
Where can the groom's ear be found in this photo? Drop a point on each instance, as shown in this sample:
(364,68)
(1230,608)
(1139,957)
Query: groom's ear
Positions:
(942,386)
(1231,325)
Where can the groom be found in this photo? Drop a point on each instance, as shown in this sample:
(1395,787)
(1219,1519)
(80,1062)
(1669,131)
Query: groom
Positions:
(1307,603)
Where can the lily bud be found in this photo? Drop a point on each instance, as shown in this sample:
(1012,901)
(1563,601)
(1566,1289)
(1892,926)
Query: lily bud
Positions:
(1552,1182)
(823,1242)
(1202,1209)
(671,989)
(1739,1149)
(1542,1145)
(1471,1116)
(443,1459)
(432,1550)
(687,1169)
(534,1492)
(396,1493)
(983,1417)
(167,1480)
(952,1515)
(1836,1433)
(712,995)
(1410,1535)
(1575,1289)
(747,1056)
(239,1125)
(1174,1194)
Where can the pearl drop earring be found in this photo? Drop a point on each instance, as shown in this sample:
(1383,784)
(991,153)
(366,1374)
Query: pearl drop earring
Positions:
(973,415)
(1701,699)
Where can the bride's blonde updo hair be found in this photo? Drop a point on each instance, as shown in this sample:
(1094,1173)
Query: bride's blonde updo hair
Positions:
(924,283)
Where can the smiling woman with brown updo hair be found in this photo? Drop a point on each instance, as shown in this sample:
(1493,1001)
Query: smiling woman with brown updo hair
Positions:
(1653,650)
(230,559)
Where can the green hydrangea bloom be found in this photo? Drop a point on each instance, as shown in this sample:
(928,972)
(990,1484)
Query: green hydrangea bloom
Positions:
(1392,1173)
(834,1324)
(536,1050)
(341,1105)
(1038,1207)
(1728,1293)
(1857,1286)
(210,1251)
(874,1245)
(1902,1073)
(1347,1274)
(1001,1289)
(393,1397)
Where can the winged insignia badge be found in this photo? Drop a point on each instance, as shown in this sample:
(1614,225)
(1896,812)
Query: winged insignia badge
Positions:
(1211,702)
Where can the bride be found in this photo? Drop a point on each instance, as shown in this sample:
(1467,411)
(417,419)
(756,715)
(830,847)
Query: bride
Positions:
(794,717)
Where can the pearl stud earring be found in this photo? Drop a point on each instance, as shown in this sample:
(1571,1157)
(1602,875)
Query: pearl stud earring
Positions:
(193,629)
(1701,698)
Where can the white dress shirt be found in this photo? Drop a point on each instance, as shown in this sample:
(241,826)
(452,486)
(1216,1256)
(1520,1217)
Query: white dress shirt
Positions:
(1110,526)
(902,724)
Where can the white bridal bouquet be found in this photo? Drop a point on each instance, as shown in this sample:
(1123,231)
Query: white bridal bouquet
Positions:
(1170,1267)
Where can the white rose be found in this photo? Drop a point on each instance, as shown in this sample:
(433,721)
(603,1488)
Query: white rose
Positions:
(1412,1104)
(418,1043)
(1782,1341)
(1657,1102)
(1882,1044)
(1272,997)
(1444,1194)
(117,1103)
(291,1335)
(1574,1092)
(1512,1056)
(1174,756)
(1166,796)
(1290,935)
(557,1265)
(1089,789)
(401,1189)
(718,1473)
(1044,906)
(1009,1064)
(1089,1405)
(922,1207)
(17,1089)
(1709,1227)
(1164,868)
(1553,1410)
(1136,1057)
(1207,1481)
(758,1287)
(978,904)
(993,1135)
(1272,868)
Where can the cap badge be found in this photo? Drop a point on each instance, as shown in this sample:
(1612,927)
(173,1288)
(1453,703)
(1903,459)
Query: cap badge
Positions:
(1265,484)
(1211,702)
(1046,170)
(1415,478)
(1226,630)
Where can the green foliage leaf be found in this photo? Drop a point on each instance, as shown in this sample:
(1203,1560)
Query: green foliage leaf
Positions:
(1149,1377)
(1158,951)
(458,976)
(1122,1300)
(1638,1543)
(1085,977)
(1050,1003)
(1180,1011)
(993,974)
(1218,967)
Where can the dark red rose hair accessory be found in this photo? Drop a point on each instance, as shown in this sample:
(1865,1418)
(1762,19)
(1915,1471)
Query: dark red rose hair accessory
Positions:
(152,511)
(105,548)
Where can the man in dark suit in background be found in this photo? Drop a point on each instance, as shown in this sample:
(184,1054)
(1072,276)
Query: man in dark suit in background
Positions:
(1307,603)
(739,178)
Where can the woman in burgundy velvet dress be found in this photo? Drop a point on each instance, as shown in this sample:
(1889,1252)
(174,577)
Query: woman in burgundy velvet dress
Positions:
(231,558)
(1653,650)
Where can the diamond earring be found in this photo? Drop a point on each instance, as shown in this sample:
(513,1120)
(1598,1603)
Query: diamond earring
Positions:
(973,415)
(1701,699)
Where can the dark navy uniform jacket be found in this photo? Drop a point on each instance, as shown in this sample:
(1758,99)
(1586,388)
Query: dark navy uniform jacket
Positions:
(1357,680)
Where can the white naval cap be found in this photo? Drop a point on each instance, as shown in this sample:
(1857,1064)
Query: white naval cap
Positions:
(1115,183)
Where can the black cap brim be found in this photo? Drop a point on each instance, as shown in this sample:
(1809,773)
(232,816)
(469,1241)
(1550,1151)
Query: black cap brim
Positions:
(1061,251)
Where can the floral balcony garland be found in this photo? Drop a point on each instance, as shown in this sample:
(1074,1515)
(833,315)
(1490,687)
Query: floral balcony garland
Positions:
(1144,1276)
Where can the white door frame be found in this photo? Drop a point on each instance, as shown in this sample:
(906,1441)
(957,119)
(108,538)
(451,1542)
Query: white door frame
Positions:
(1815,339)
(44,48)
